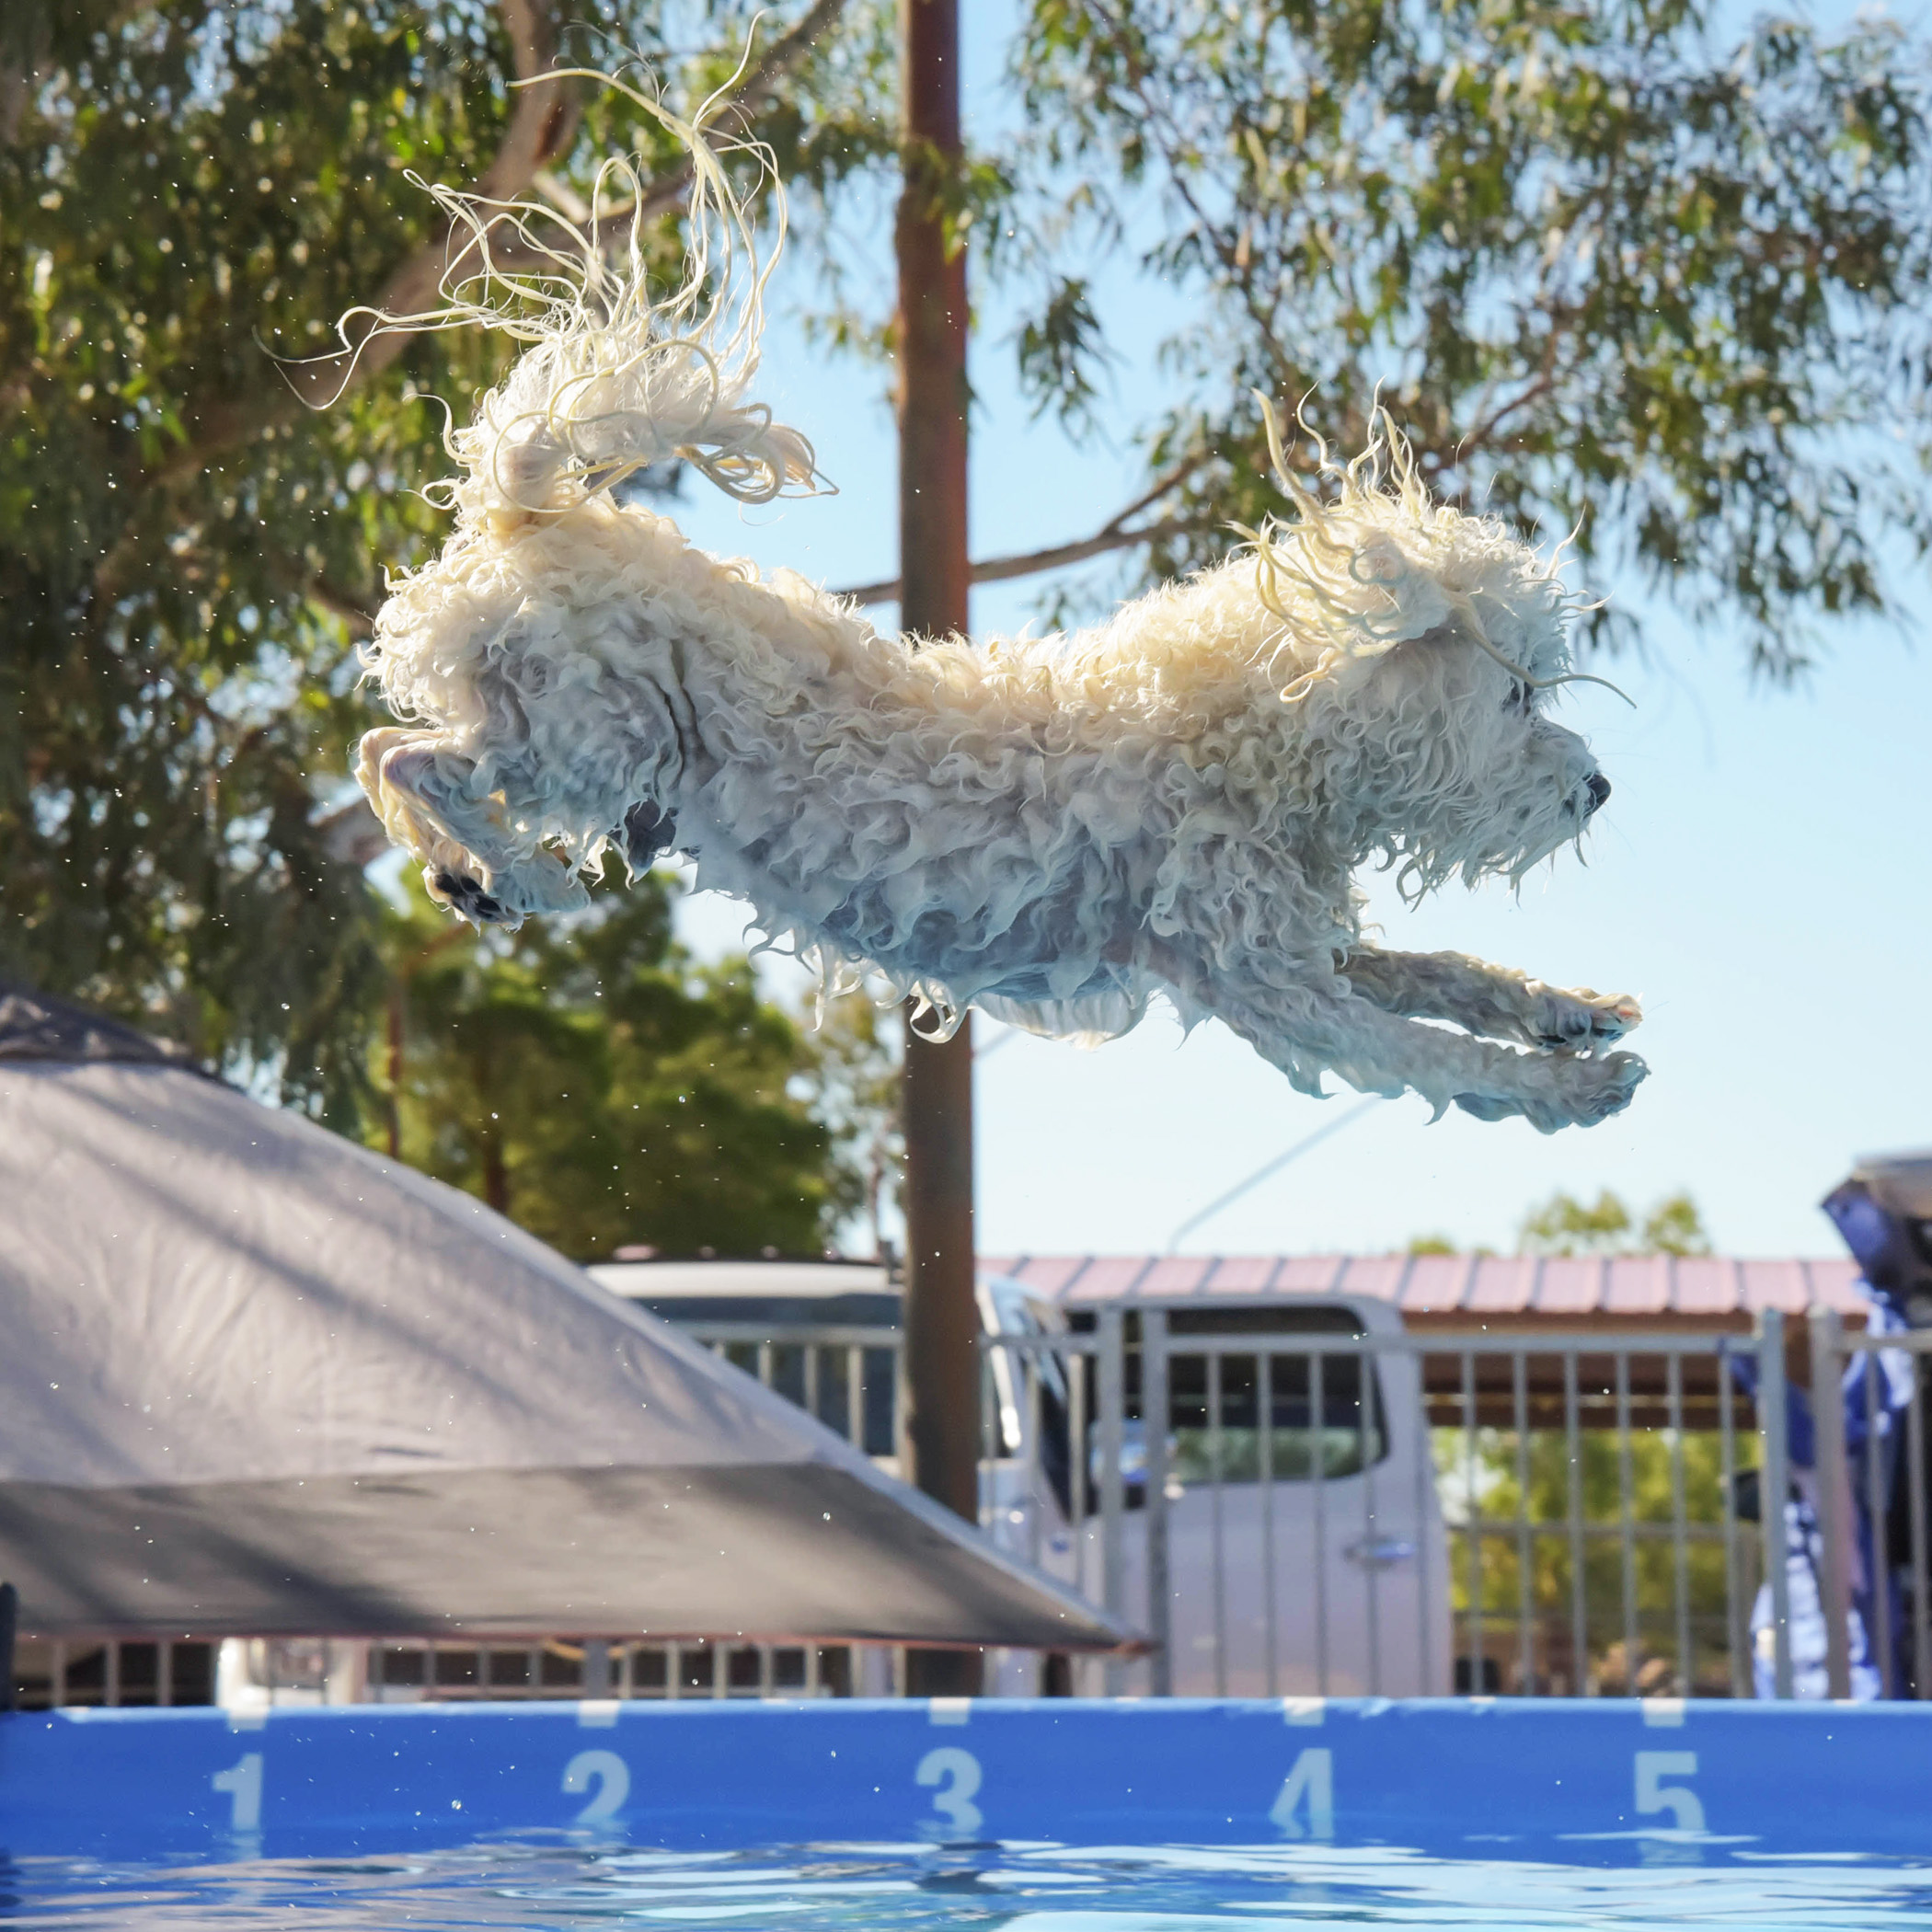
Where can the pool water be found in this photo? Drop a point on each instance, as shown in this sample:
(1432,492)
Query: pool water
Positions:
(1019,1887)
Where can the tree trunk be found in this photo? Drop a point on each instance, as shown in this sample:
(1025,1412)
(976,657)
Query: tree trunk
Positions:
(496,1174)
(941,1315)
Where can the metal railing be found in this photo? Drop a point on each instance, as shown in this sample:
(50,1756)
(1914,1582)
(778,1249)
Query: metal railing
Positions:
(1567,1526)
(1870,1587)
(425,1671)
(1551,1548)
(1588,1490)
(113,1673)
(1503,1484)
(851,1377)
(1335,1512)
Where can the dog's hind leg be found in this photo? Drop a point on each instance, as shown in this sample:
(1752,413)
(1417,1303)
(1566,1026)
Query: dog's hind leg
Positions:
(471,861)
(1494,1001)
(1311,1027)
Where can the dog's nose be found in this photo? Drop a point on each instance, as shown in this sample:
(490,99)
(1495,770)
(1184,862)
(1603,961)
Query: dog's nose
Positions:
(1598,787)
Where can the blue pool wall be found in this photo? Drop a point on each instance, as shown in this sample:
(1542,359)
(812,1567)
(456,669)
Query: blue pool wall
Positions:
(1601,1781)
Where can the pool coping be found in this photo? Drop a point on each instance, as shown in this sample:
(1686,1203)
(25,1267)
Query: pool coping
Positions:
(1594,1781)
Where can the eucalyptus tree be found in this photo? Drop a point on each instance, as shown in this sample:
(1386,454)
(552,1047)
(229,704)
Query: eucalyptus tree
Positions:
(1608,273)
(192,191)
(590,1080)
(1565,1224)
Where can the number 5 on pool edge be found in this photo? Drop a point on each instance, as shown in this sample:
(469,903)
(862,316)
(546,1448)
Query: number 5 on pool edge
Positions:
(1654,1795)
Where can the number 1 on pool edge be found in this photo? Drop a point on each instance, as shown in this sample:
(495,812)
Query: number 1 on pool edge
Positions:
(241,1784)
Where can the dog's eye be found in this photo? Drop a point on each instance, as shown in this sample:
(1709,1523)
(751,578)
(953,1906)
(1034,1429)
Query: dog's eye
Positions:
(1518,697)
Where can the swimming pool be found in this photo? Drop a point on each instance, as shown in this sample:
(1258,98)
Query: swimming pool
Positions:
(1047,1817)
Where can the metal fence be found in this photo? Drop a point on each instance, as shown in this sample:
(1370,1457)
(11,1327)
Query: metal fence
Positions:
(1340,1512)
(1329,1510)
(406,1671)
(284,1671)
(1870,1511)
(113,1673)
(851,1378)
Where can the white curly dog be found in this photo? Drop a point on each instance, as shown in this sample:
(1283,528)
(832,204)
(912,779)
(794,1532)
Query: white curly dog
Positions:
(1052,829)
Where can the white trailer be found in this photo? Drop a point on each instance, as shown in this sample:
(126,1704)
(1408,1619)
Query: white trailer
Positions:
(1302,1543)
(1297,1520)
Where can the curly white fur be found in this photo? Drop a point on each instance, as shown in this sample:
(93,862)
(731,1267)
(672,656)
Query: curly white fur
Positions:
(1052,829)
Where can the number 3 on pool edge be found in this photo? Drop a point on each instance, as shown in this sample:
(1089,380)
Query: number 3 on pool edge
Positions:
(1654,1795)
(956,1774)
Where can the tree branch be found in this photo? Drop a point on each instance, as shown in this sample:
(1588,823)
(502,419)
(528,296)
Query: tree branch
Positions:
(352,834)
(23,67)
(1113,535)
(339,602)
(540,128)
(541,124)
(1003,570)
(512,255)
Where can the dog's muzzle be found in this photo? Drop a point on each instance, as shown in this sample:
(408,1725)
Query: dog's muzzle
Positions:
(1587,800)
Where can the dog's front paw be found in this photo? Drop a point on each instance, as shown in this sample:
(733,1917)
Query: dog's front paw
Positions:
(1563,1090)
(1598,1087)
(1582,1018)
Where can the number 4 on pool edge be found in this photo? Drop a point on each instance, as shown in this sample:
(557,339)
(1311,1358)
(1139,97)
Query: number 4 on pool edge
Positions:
(1309,1787)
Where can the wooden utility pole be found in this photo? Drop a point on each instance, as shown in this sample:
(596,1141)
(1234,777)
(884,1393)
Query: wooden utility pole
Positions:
(941,1315)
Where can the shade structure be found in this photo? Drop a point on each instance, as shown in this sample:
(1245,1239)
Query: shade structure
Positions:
(254,1379)
(1883,1210)
(1902,1183)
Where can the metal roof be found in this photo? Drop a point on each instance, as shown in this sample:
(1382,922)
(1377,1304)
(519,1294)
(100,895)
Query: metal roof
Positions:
(1554,1288)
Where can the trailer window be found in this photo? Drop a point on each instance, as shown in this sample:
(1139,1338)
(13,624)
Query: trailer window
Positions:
(1321,1410)
(1216,1429)
(1218,1433)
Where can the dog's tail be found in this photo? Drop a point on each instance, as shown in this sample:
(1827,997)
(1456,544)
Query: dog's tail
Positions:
(615,382)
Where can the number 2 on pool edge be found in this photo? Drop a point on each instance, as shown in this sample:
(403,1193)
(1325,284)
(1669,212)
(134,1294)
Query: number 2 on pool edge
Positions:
(956,1774)
(609,1773)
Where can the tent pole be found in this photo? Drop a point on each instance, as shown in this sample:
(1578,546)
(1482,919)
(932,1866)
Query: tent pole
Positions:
(9,1624)
(941,1315)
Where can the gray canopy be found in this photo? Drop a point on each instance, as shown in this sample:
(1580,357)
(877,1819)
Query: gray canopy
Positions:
(254,1379)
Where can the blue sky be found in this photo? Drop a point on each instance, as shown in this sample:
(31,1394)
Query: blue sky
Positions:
(1758,878)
